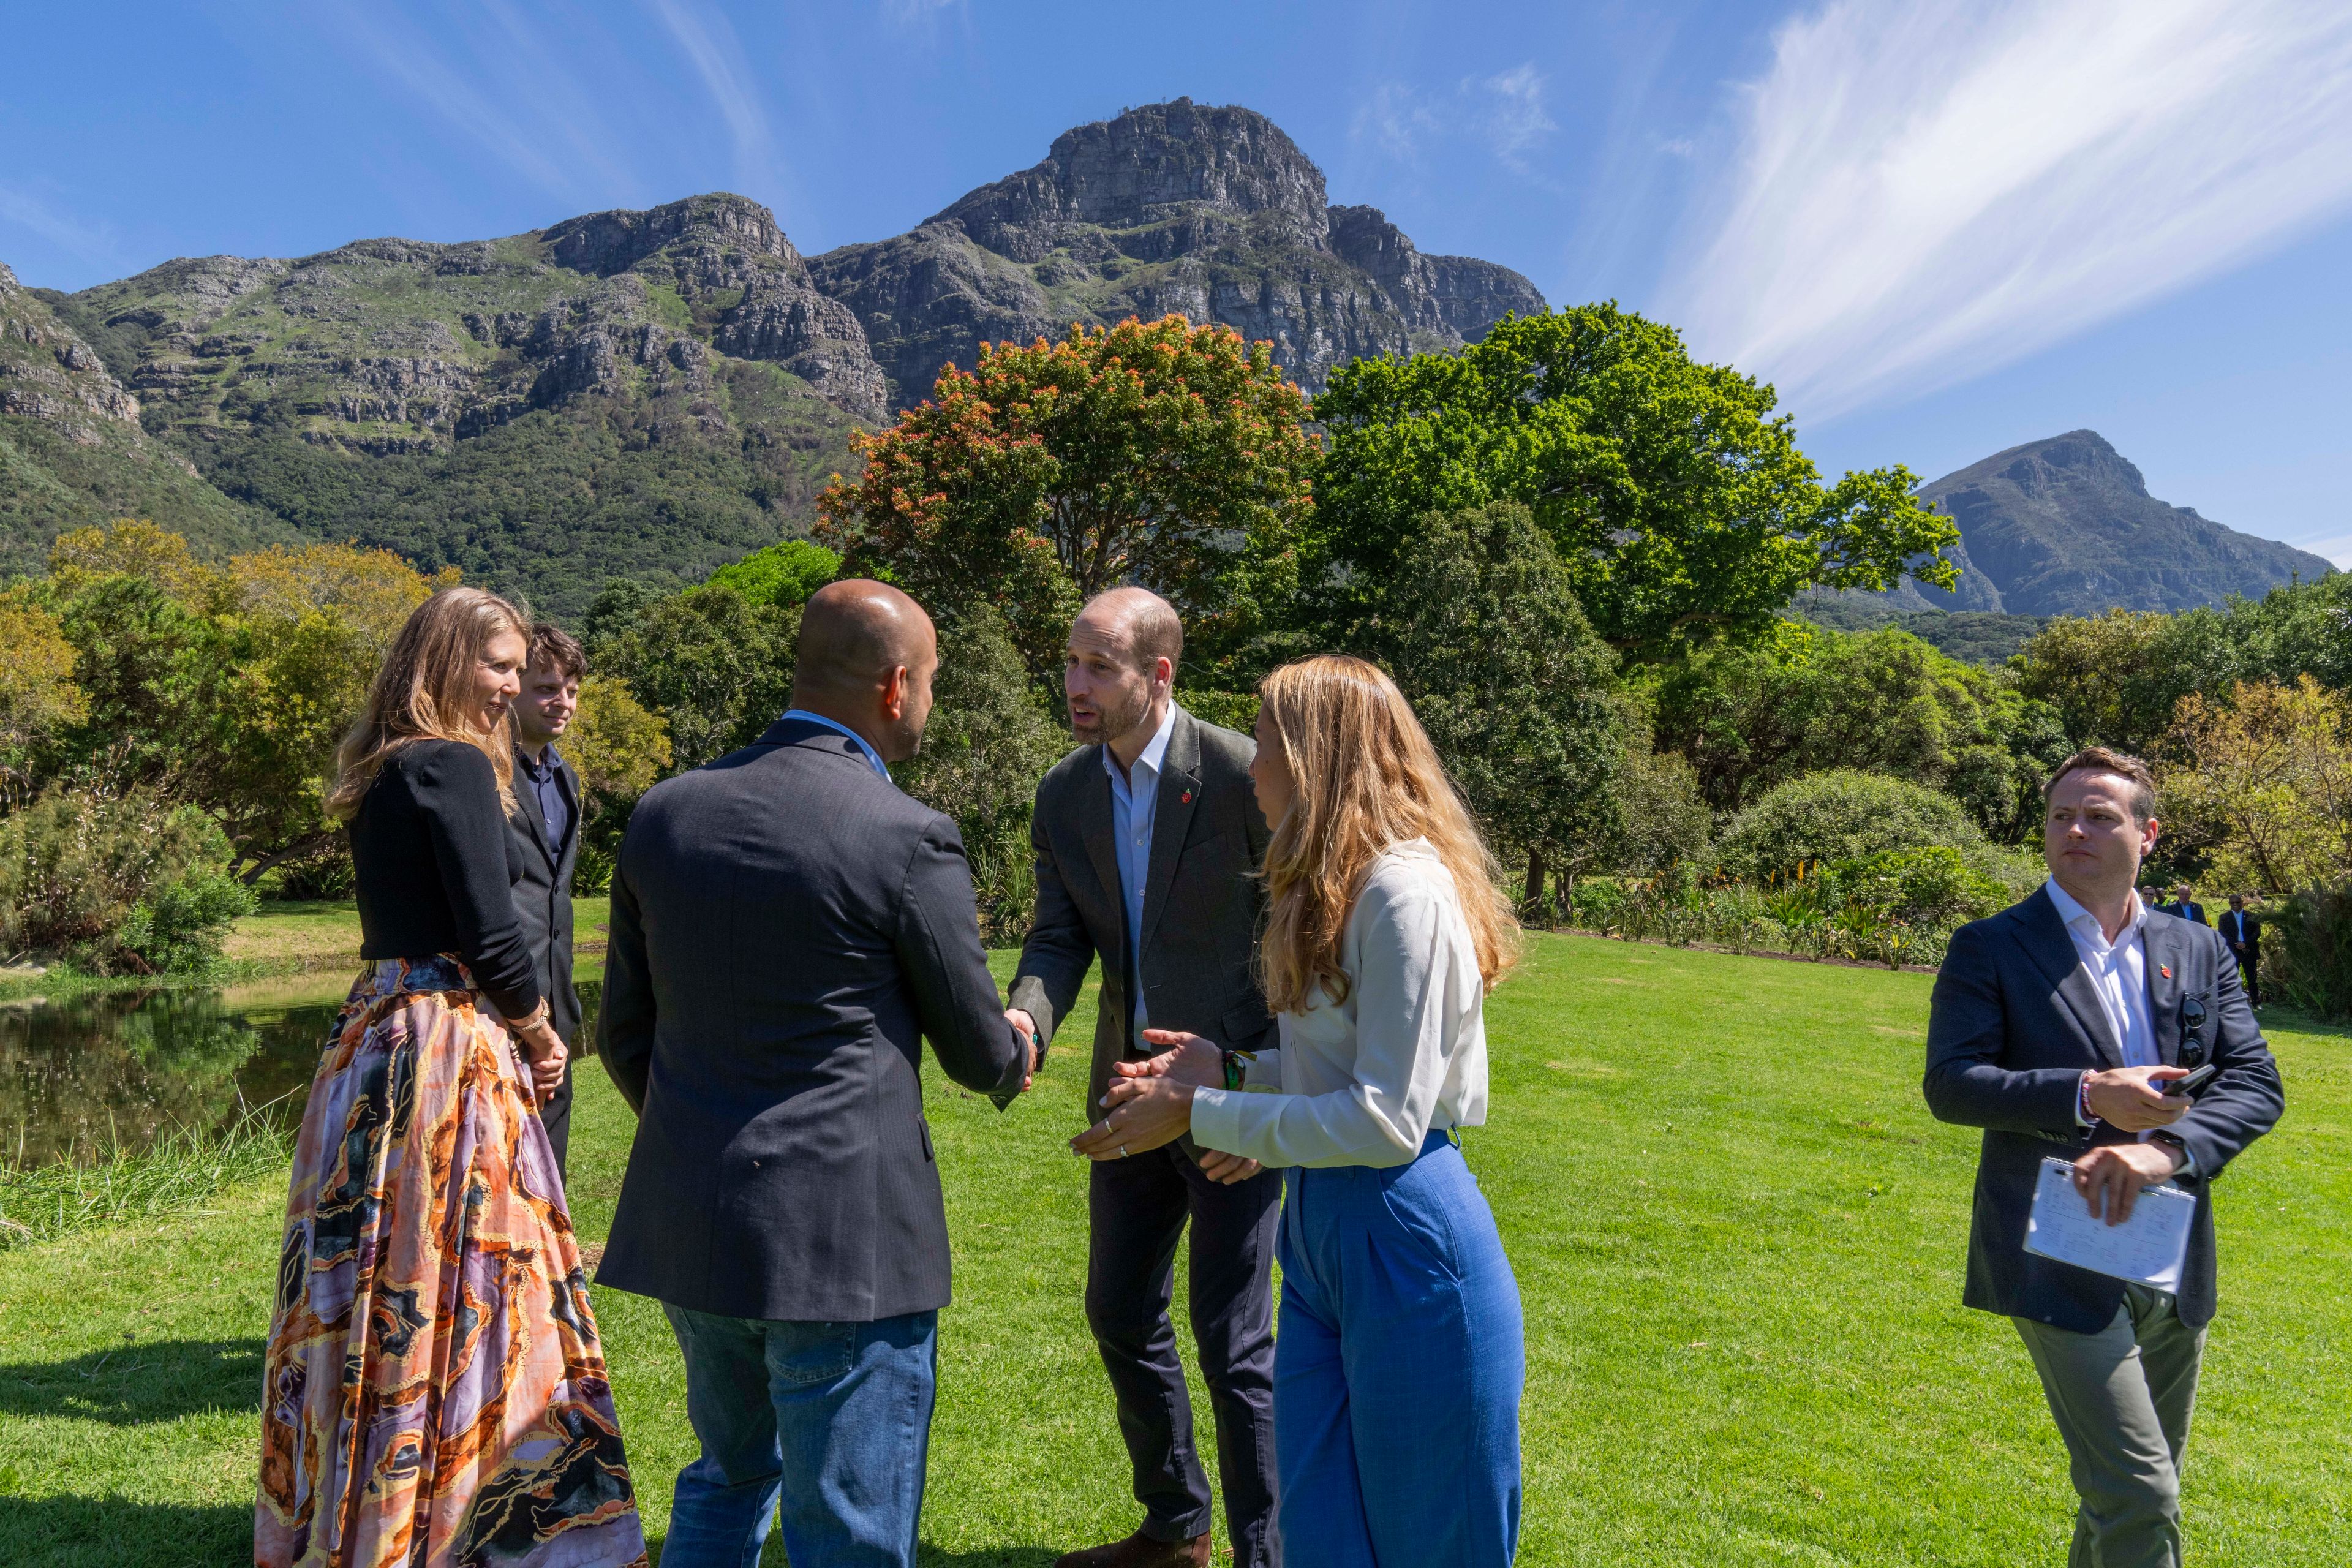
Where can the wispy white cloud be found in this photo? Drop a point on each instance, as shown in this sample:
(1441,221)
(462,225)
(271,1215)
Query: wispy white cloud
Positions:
(709,44)
(1506,111)
(919,15)
(1918,194)
(1395,119)
(1515,122)
(511,97)
(20,208)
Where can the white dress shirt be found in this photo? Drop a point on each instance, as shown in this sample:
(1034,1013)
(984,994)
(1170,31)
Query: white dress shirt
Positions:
(2119,972)
(1362,1082)
(1134,807)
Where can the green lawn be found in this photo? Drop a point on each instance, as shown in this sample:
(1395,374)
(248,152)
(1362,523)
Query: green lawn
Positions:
(1738,1233)
(291,934)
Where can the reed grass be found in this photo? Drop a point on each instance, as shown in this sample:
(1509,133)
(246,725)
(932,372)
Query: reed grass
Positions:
(177,1172)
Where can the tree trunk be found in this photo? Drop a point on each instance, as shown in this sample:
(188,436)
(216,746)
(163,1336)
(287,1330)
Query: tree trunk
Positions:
(1534,895)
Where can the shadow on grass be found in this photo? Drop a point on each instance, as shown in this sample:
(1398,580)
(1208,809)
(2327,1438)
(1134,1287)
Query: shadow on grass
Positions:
(926,1555)
(135,1383)
(75,1532)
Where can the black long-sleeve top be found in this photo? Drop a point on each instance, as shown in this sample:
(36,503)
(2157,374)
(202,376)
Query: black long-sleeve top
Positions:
(429,843)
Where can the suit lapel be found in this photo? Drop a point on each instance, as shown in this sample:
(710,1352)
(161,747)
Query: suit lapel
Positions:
(2052,950)
(2163,946)
(1095,830)
(567,785)
(1172,814)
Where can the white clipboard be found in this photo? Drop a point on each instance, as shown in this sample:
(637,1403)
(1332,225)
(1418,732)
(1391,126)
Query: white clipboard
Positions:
(2150,1249)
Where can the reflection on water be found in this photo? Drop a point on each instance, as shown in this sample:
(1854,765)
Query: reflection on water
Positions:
(83,1076)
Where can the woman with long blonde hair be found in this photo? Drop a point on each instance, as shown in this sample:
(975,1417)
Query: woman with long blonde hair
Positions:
(1399,1362)
(433,1391)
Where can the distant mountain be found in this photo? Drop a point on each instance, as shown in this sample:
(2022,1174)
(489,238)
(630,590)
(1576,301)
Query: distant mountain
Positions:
(1212,213)
(652,394)
(2065,526)
(73,450)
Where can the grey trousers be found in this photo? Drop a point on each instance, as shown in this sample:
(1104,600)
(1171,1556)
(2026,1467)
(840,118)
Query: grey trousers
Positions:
(2122,1398)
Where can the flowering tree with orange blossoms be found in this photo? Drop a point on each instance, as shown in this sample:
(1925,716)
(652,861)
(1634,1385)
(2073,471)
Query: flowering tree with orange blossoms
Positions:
(1164,454)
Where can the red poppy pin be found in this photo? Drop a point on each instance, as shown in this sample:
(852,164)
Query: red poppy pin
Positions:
(1188,800)
(2165,970)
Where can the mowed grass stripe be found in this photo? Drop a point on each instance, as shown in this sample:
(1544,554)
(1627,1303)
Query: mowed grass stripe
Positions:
(1738,1233)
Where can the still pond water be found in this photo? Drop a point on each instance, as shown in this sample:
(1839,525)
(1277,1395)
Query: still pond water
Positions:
(83,1076)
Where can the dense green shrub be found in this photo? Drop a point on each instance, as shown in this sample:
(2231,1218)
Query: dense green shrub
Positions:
(117,884)
(989,740)
(1932,886)
(2308,961)
(1839,815)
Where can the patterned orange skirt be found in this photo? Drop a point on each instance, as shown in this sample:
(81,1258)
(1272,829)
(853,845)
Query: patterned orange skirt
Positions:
(434,1396)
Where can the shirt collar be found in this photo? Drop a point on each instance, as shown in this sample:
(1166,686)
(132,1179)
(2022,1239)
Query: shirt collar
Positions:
(1155,751)
(871,754)
(2075,915)
(539,766)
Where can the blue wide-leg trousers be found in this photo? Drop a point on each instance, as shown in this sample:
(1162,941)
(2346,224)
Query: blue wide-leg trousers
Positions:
(1397,1370)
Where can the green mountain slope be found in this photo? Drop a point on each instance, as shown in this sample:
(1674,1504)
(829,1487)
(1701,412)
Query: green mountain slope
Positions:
(624,394)
(72,451)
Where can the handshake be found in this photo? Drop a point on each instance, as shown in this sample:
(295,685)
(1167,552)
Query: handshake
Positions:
(1150,1102)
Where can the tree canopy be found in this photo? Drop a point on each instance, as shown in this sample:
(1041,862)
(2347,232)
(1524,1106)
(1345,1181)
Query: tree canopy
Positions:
(1165,454)
(1678,502)
(1482,633)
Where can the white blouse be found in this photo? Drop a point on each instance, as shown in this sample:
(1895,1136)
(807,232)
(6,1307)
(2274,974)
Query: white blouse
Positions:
(1360,1082)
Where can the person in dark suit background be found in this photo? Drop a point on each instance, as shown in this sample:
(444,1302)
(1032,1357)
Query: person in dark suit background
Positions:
(2183,905)
(545,834)
(787,928)
(2243,932)
(2056,1027)
(1149,839)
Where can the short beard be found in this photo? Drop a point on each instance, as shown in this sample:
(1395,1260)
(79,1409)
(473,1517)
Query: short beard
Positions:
(1117,726)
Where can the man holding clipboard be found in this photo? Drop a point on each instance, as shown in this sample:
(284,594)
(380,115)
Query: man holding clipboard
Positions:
(2060,1027)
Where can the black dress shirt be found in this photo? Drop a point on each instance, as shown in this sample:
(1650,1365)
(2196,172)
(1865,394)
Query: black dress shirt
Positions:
(541,774)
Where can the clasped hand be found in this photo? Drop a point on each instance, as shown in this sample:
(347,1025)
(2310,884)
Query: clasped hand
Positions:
(543,1048)
(1150,1104)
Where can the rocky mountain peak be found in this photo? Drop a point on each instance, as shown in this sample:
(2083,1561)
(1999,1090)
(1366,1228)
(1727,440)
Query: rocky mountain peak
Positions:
(2078,456)
(706,225)
(1147,166)
(2065,526)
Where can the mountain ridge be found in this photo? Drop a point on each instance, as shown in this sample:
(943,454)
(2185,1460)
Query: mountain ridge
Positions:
(651,393)
(2064,525)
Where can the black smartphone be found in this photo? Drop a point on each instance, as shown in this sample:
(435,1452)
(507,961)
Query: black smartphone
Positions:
(2189,1085)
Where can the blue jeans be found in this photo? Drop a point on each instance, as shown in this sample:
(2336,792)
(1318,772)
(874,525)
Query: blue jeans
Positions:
(832,1419)
(1397,1372)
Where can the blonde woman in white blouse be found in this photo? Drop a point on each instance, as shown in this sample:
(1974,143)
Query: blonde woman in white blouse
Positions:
(1399,1361)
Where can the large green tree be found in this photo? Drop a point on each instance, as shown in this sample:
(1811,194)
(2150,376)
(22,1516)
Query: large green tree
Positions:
(1482,633)
(1750,718)
(1162,454)
(1677,499)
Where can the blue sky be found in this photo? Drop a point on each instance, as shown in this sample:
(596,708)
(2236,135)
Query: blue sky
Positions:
(1941,228)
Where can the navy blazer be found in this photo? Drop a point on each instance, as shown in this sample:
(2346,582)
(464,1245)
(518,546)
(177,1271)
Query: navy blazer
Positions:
(787,928)
(2014,1024)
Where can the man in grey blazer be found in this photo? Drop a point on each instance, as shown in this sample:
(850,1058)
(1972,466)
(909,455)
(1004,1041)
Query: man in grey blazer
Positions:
(1148,840)
(787,928)
(544,834)
(2058,1027)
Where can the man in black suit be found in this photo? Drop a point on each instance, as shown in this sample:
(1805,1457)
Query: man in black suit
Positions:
(545,830)
(1148,839)
(786,930)
(2183,905)
(2243,932)
(2056,1026)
